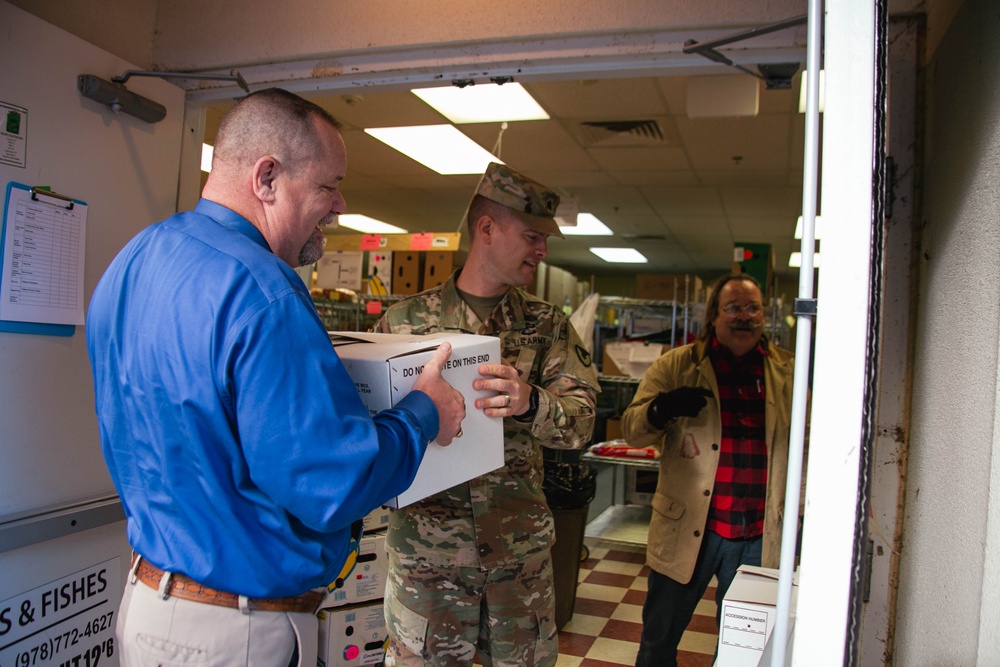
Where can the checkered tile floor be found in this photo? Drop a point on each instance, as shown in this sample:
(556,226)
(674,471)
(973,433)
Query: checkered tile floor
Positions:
(607,617)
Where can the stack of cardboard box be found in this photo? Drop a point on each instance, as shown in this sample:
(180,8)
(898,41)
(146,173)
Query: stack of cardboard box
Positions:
(384,272)
(352,628)
(384,368)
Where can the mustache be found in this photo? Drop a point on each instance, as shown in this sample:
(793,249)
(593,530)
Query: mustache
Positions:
(744,325)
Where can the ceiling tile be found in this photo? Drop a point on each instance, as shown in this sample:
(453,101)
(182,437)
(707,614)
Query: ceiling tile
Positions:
(737,143)
(640,159)
(603,99)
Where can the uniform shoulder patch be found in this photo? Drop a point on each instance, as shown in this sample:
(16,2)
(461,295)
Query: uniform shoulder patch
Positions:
(583,355)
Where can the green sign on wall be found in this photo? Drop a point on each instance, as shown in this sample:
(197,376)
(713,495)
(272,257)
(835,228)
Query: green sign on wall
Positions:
(757,260)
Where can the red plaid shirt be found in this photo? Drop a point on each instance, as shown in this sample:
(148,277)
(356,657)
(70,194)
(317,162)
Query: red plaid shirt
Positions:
(737,509)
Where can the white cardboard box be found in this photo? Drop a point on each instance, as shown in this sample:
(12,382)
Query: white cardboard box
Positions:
(367,579)
(339,269)
(353,635)
(377,519)
(384,368)
(630,358)
(748,616)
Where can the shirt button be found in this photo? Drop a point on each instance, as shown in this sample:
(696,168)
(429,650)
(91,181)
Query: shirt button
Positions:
(483,549)
(697,533)
(707,492)
(715,447)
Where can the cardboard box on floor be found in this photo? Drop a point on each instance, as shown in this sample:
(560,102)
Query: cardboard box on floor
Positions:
(353,635)
(749,610)
(367,580)
(384,368)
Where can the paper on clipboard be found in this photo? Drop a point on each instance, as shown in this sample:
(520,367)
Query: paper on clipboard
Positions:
(43,243)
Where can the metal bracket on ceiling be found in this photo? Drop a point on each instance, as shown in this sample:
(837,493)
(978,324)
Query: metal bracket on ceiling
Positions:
(777,76)
(233,75)
(499,80)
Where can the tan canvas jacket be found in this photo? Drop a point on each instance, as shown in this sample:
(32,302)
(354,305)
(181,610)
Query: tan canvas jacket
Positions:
(689,455)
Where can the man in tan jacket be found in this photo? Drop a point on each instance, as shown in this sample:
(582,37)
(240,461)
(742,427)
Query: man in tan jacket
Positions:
(719,412)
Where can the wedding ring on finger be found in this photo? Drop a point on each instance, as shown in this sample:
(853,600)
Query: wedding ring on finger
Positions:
(459,434)
(507,404)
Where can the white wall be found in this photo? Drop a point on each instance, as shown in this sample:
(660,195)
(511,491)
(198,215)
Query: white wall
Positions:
(952,455)
(122,28)
(126,172)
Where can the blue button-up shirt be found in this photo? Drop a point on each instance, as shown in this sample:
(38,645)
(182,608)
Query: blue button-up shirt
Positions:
(235,438)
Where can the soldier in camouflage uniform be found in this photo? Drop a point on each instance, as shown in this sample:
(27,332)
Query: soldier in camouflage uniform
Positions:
(470,568)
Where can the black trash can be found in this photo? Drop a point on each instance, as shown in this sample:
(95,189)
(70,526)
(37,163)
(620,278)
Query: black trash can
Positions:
(569,487)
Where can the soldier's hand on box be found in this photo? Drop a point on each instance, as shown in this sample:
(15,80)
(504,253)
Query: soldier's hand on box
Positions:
(513,396)
(449,401)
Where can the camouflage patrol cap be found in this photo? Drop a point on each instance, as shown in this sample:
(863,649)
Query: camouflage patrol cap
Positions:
(534,203)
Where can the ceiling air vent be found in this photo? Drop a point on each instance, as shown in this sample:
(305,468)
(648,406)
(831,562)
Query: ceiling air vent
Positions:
(621,132)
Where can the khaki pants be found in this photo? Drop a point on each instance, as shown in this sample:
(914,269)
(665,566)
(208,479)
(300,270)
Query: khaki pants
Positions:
(173,632)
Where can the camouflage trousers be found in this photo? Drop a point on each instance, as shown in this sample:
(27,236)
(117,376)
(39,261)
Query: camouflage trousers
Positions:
(443,616)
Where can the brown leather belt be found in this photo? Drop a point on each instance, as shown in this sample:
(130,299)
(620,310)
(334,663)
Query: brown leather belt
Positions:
(184,587)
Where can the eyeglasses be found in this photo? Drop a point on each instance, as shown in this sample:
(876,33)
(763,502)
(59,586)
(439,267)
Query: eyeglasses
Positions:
(751,309)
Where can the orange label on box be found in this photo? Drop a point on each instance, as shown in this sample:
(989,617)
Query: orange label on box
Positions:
(371,242)
(373,307)
(421,241)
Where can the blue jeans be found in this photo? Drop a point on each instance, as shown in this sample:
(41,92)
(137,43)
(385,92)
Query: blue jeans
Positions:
(669,605)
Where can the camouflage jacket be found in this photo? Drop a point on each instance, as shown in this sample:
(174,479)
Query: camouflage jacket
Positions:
(500,518)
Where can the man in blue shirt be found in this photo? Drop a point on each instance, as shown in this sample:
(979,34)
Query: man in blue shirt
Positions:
(235,438)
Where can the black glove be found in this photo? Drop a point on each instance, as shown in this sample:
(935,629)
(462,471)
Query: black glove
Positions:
(681,402)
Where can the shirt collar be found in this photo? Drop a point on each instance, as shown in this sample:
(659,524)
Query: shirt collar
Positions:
(457,314)
(230,219)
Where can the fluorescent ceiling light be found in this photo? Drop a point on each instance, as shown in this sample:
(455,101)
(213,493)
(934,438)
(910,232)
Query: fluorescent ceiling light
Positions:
(587,224)
(795,260)
(802,91)
(207,151)
(439,147)
(362,223)
(620,255)
(816,230)
(484,103)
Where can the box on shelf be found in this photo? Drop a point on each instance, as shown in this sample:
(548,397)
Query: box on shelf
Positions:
(661,287)
(367,580)
(384,368)
(629,358)
(339,270)
(378,282)
(749,611)
(406,272)
(377,519)
(353,635)
(560,288)
(437,267)
(640,486)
